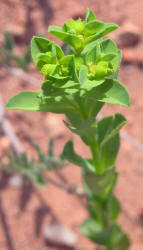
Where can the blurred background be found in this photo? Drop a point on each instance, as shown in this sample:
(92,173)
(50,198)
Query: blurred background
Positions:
(32,218)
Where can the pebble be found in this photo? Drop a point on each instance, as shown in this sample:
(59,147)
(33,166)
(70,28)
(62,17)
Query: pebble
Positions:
(15,181)
(60,235)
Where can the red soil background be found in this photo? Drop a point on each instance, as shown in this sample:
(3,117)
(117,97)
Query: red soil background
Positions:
(24,19)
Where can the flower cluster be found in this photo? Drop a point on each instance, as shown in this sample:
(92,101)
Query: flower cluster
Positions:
(78,33)
(85,71)
(91,62)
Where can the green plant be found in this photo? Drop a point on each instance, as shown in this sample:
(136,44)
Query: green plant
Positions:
(35,171)
(78,85)
(8,55)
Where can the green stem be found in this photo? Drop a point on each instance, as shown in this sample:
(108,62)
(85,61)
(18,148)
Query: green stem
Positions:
(83,113)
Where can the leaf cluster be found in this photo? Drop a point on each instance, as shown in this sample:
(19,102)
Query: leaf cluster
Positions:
(89,74)
(34,170)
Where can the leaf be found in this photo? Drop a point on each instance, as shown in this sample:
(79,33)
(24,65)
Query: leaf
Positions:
(66,37)
(109,57)
(103,132)
(113,209)
(96,233)
(99,186)
(90,46)
(109,127)
(115,75)
(111,91)
(118,239)
(93,107)
(74,119)
(44,58)
(108,141)
(93,27)
(71,156)
(26,100)
(108,46)
(107,154)
(51,147)
(9,44)
(112,237)
(90,16)
(42,45)
(91,227)
(41,156)
(93,55)
(85,83)
(83,75)
(85,130)
(49,90)
(107,28)
(69,62)
(29,101)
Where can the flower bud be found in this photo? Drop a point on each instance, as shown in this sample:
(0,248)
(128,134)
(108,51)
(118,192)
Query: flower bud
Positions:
(64,70)
(47,69)
(100,70)
(77,25)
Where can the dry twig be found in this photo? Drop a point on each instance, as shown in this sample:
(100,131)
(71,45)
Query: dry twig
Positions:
(8,131)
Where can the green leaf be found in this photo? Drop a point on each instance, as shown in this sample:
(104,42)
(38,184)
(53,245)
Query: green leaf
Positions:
(71,156)
(45,58)
(85,83)
(91,227)
(83,75)
(74,118)
(90,16)
(109,127)
(85,130)
(93,107)
(93,27)
(94,54)
(105,132)
(108,46)
(113,209)
(49,90)
(118,62)
(90,46)
(69,63)
(9,44)
(30,101)
(66,37)
(107,28)
(42,45)
(108,153)
(118,239)
(108,141)
(111,91)
(112,236)
(109,57)
(51,147)
(26,100)
(98,186)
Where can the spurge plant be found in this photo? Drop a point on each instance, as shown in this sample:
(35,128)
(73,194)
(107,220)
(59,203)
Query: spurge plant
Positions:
(78,85)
